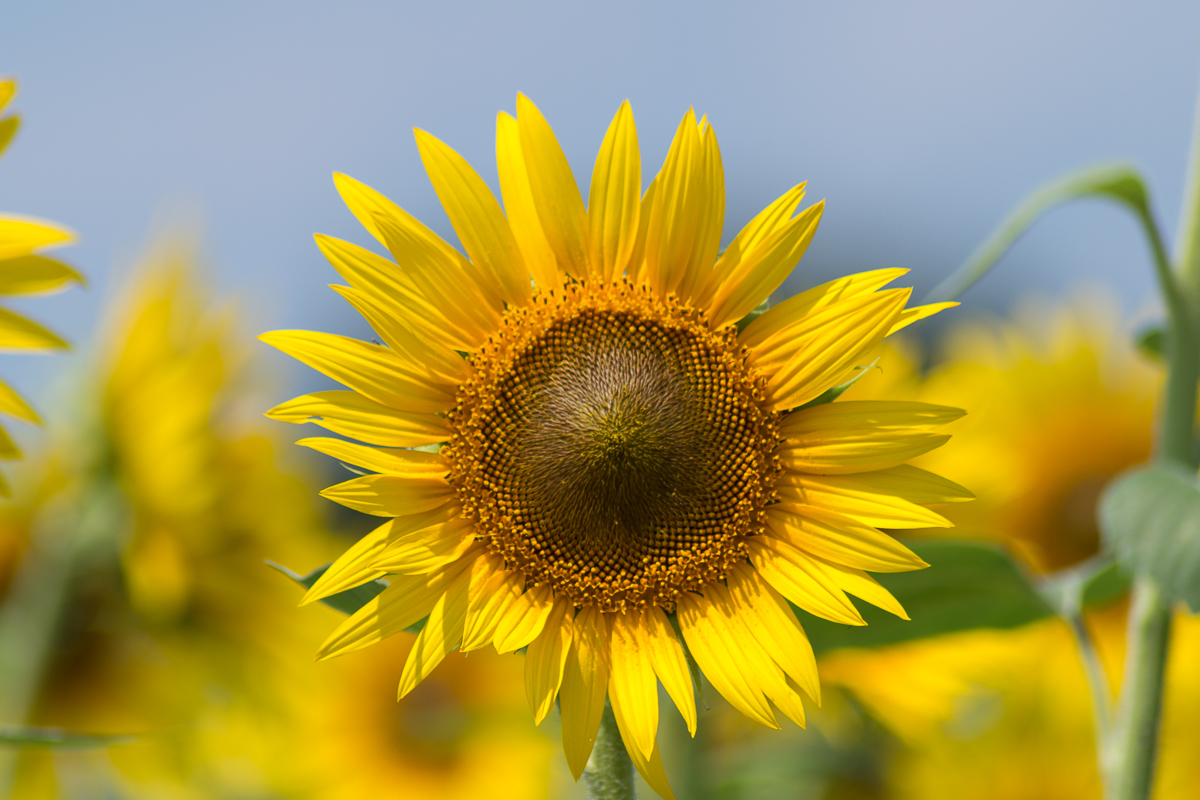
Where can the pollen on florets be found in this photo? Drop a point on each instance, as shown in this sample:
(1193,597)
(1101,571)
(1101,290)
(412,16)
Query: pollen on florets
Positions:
(613,446)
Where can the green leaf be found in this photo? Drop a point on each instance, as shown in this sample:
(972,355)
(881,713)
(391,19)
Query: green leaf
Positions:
(1150,517)
(966,586)
(54,737)
(1151,342)
(1120,183)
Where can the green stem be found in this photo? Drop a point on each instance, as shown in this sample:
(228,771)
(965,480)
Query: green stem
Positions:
(609,772)
(1131,750)
(1187,255)
(1096,678)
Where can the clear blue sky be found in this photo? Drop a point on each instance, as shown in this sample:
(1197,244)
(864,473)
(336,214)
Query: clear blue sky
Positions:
(921,123)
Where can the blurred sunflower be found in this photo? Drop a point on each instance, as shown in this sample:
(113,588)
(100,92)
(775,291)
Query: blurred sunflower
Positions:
(462,734)
(1061,403)
(24,270)
(169,510)
(618,457)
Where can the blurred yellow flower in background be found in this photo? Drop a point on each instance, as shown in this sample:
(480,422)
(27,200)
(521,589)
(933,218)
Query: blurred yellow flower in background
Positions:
(1061,403)
(24,270)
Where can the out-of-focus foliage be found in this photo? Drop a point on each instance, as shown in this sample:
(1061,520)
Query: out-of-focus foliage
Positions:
(136,600)
(24,270)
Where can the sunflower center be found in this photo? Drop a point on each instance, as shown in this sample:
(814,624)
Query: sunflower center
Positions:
(613,446)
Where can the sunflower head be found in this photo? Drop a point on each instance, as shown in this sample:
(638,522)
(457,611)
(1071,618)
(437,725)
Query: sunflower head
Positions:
(615,459)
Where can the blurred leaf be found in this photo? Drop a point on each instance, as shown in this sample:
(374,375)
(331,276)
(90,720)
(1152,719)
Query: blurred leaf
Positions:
(757,312)
(1118,182)
(348,601)
(1151,343)
(54,737)
(966,586)
(1150,517)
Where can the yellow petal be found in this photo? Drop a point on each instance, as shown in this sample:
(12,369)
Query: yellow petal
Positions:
(768,221)
(778,319)
(388,285)
(408,600)
(857,497)
(35,274)
(799,578)
(524,619)
(444,277)
(546,657)
(426,357)
(19,333)
(917,313)
(658,639)
(863,586)
(774,625)
(351,414)
(711,218)
(650,768)
(555,193)
(718,646)
(843,451)
(880,414)
(679,199)
(615,198)
(390,495)
(489,599)
(841,539)
(369,369)
(14,405)
(763,269)
(908,482)
(20,236)
(519,206)
(8,90)
(477,219)
(8,448)
(636,270)
(827,347)
(441,634)
(428,549)
(407,463)
(353,567)
(632,687)
(8,129)
(584,687)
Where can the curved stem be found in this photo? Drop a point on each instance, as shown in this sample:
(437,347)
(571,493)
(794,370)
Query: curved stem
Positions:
(609,772)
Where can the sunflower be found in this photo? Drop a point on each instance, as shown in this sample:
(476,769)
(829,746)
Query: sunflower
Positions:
(630,463)
(24,271)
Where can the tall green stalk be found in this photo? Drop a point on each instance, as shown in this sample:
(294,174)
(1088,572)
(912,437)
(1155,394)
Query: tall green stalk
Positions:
(609,772)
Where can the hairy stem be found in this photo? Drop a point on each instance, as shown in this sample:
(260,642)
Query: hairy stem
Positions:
(609,772)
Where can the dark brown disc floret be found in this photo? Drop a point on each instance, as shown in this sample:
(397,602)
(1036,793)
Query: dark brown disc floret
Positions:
(613,446)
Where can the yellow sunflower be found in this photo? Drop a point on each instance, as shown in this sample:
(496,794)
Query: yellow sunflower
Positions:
(623,471)
(23,270)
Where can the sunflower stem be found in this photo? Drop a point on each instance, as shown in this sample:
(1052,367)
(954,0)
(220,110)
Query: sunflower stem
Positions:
(609,772)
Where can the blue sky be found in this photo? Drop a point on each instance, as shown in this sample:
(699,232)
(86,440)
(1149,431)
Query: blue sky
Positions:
(920,122)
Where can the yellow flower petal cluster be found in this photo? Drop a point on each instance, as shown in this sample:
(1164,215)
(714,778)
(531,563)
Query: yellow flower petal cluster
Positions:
(623,472)
(24,270)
